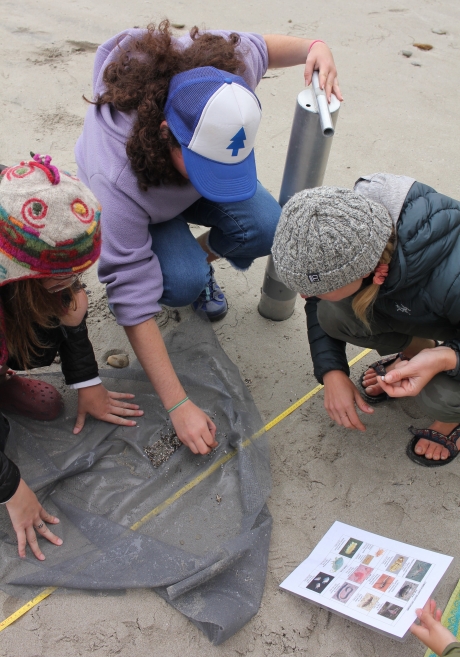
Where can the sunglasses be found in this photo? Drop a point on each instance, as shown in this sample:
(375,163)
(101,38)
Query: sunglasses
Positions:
(62,282)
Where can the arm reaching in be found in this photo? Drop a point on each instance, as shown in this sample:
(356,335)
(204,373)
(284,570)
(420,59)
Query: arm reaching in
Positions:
(290,51)
(430,631)
(193,427)
(341,397)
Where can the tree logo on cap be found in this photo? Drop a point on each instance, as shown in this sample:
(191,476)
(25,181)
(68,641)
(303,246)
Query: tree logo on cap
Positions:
(237,142)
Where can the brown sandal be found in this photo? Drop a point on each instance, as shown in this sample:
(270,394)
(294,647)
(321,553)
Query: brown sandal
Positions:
(380,370)
(449,442)
(29,397)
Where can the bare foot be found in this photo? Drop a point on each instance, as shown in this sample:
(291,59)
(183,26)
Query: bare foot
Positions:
(370,380)
(431,450)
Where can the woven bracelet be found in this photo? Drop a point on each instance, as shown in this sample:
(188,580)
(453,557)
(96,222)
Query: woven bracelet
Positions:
(177,405)
(313,43)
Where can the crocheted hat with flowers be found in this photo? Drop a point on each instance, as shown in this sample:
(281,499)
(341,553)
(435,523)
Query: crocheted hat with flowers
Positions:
(49,225)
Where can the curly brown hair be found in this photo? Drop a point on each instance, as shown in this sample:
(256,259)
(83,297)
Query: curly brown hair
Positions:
(139,80)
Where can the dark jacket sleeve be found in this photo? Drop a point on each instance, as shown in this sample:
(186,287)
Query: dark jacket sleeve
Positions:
(454,344)
(77,356)
(327,353)
(9,471)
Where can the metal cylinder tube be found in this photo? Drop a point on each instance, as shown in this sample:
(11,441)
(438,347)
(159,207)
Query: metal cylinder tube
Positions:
(306,160)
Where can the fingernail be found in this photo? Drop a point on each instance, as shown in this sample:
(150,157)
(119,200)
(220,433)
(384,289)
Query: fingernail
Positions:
(59,542)
(41,557)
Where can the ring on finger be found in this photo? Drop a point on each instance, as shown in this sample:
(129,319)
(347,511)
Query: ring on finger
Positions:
(39,526)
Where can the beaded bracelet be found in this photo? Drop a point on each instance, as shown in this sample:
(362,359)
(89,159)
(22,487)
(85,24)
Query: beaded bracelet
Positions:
(177,405)
(313,43)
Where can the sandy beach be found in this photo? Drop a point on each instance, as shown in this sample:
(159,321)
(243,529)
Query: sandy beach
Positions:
(400,115)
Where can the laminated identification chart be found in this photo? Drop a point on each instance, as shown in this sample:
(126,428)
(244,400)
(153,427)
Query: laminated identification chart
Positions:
(373,580)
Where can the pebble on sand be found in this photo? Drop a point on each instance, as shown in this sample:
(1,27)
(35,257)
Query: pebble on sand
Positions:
(415,63)
(118,360)
(423,46)
(438,30)
(407,53)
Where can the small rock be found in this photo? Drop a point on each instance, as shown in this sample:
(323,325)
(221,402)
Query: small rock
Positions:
(407,53)
(423,46)
(178,26)
(57,359)
(118,360)
(414,63)
(438,30)
(218,499)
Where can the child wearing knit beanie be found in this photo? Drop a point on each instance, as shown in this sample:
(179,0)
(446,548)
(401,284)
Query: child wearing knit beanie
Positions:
(49,235)
(380,268)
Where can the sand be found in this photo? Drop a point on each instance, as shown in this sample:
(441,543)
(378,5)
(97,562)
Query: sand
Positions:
(397,117)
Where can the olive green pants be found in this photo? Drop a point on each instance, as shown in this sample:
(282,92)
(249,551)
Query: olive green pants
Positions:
(440,398)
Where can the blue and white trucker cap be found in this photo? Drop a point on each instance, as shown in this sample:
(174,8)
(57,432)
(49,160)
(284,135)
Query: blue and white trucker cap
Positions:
(214,115)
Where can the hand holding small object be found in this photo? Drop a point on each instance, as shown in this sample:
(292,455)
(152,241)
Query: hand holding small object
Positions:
(409,377)
(194,428)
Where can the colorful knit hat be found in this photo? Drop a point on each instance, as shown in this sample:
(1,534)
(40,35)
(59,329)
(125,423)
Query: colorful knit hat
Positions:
(49,225)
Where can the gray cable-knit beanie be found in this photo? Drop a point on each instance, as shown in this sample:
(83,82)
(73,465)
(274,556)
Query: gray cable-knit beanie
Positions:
(328,237)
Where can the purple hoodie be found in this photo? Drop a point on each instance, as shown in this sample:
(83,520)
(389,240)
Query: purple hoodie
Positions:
(128,264)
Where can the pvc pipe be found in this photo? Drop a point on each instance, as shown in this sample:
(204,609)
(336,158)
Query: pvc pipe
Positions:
(306,160)
(323,107)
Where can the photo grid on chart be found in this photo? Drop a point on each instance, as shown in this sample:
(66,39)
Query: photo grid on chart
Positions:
(368,579)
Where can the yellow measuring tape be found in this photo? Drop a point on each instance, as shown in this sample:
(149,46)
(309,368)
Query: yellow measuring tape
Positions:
(178,494)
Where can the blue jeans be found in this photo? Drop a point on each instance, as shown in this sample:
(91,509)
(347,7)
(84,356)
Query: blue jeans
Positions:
(240,232)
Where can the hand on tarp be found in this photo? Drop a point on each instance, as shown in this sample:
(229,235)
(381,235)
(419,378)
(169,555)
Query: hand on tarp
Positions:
(105,405)
(194,428)
(27,517)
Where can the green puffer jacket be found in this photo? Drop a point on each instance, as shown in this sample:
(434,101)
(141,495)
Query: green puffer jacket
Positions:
(423,283)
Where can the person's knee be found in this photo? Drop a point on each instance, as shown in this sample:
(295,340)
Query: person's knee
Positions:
(183,289)
(440,399)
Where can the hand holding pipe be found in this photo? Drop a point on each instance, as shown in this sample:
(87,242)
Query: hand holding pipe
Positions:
(323,107)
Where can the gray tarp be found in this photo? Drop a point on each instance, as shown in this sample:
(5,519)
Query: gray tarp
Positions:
(203,541)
